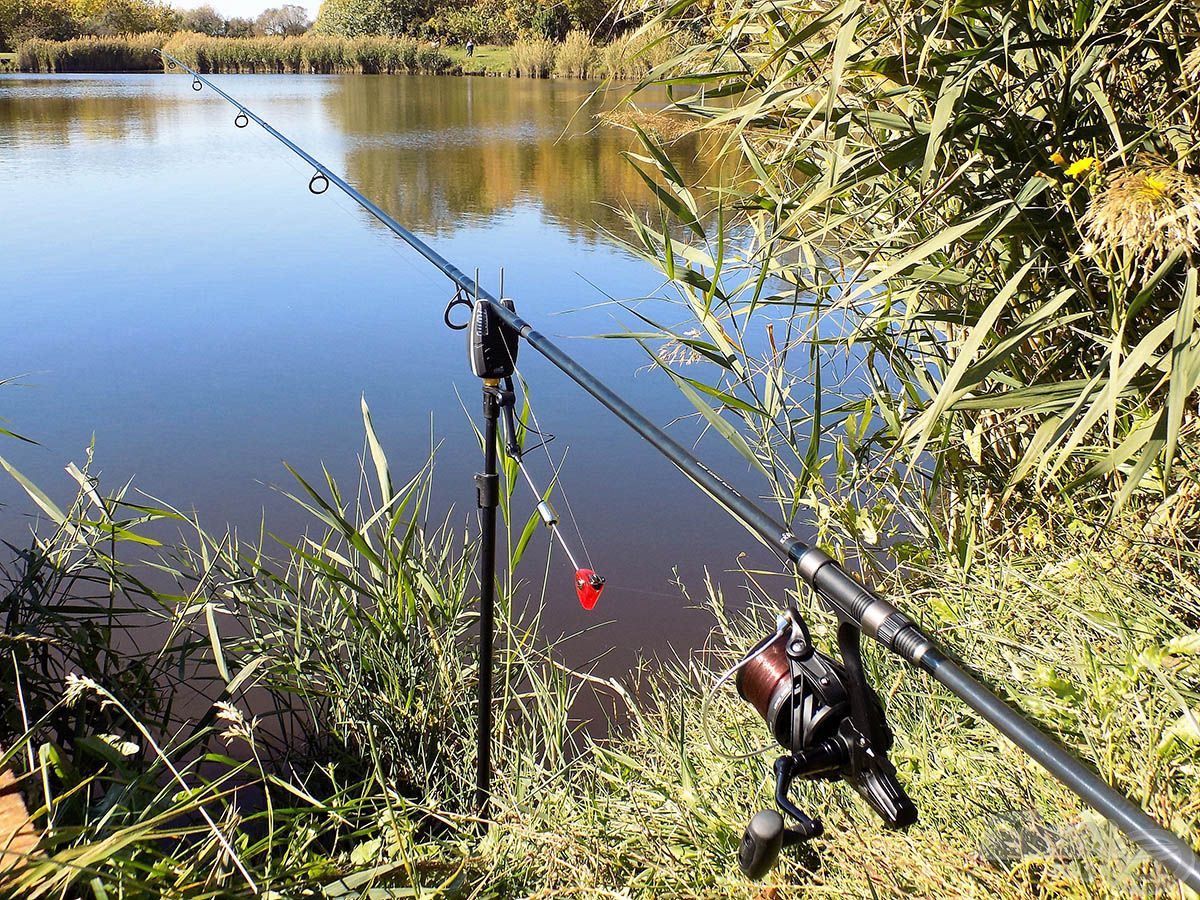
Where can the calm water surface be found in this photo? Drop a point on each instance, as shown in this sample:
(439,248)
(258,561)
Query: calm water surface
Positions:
(174,291)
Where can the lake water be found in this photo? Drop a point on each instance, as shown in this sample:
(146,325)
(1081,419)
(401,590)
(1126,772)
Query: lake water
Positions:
(173,290)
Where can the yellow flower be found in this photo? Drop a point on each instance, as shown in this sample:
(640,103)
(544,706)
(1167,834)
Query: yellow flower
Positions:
(1152,187)
(1080,166)
(1057,158)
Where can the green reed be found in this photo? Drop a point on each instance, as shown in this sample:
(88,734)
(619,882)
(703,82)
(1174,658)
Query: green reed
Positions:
(975,223)
(297,704)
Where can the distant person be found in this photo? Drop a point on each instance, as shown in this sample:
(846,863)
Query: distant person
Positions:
(470,47)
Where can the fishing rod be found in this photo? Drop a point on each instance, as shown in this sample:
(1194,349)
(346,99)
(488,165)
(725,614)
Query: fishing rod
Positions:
(841,734)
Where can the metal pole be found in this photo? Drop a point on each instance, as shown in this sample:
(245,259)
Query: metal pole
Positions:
(487,489)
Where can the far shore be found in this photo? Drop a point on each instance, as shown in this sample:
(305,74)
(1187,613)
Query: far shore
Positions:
(630,56)
(488,59)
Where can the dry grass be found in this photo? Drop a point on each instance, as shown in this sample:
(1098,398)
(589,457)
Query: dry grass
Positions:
(533,58)
(635,54)
(576,56)
(125,53)
(661,126)
(308,54)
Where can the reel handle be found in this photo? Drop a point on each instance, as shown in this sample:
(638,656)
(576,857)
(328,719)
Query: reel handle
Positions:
(763,840)
(761,843)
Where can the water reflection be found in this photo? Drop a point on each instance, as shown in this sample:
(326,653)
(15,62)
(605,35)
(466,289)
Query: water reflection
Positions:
(436,151)
(39,111)
(187,303)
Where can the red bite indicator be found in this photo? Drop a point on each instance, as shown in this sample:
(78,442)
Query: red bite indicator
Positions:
(589,586)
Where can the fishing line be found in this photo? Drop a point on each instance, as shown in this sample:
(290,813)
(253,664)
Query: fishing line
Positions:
(557,476)
(554,468)
(781,625)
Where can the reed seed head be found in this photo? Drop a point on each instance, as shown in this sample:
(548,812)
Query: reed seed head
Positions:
(238,726)
(1147,210)
(663,127)
(676,352)
(78,687)
(1191,65)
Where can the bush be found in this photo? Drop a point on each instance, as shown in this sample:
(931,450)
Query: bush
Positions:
(481,24)
(362,18)
(432,61)
(550,22)
(21,20)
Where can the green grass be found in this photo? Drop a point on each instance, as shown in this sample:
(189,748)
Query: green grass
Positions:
(8,62)
(366,624)
(489,59)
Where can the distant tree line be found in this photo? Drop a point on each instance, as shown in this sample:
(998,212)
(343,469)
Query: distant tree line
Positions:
(483,21)
(448,21)
(61,20)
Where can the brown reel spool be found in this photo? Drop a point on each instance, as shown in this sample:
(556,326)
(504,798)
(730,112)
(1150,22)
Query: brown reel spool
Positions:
(759,679)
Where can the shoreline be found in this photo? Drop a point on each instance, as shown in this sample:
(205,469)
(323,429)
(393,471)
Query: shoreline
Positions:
(624,58)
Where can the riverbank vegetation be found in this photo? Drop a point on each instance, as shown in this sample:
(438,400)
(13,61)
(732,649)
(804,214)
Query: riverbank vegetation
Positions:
(540,39)
(956,296)
(128,53)
(989,217)
(278,55)
(304,725)
(628,57)
(311,54)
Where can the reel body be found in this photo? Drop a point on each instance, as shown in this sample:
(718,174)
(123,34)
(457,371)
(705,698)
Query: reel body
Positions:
(825,714)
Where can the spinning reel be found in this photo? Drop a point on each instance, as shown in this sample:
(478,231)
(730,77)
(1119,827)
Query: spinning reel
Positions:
(828,718)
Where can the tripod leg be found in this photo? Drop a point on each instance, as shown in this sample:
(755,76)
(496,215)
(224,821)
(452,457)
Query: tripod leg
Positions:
(487,484)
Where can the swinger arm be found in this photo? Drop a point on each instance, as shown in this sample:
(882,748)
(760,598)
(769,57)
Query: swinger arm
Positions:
(588,585)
